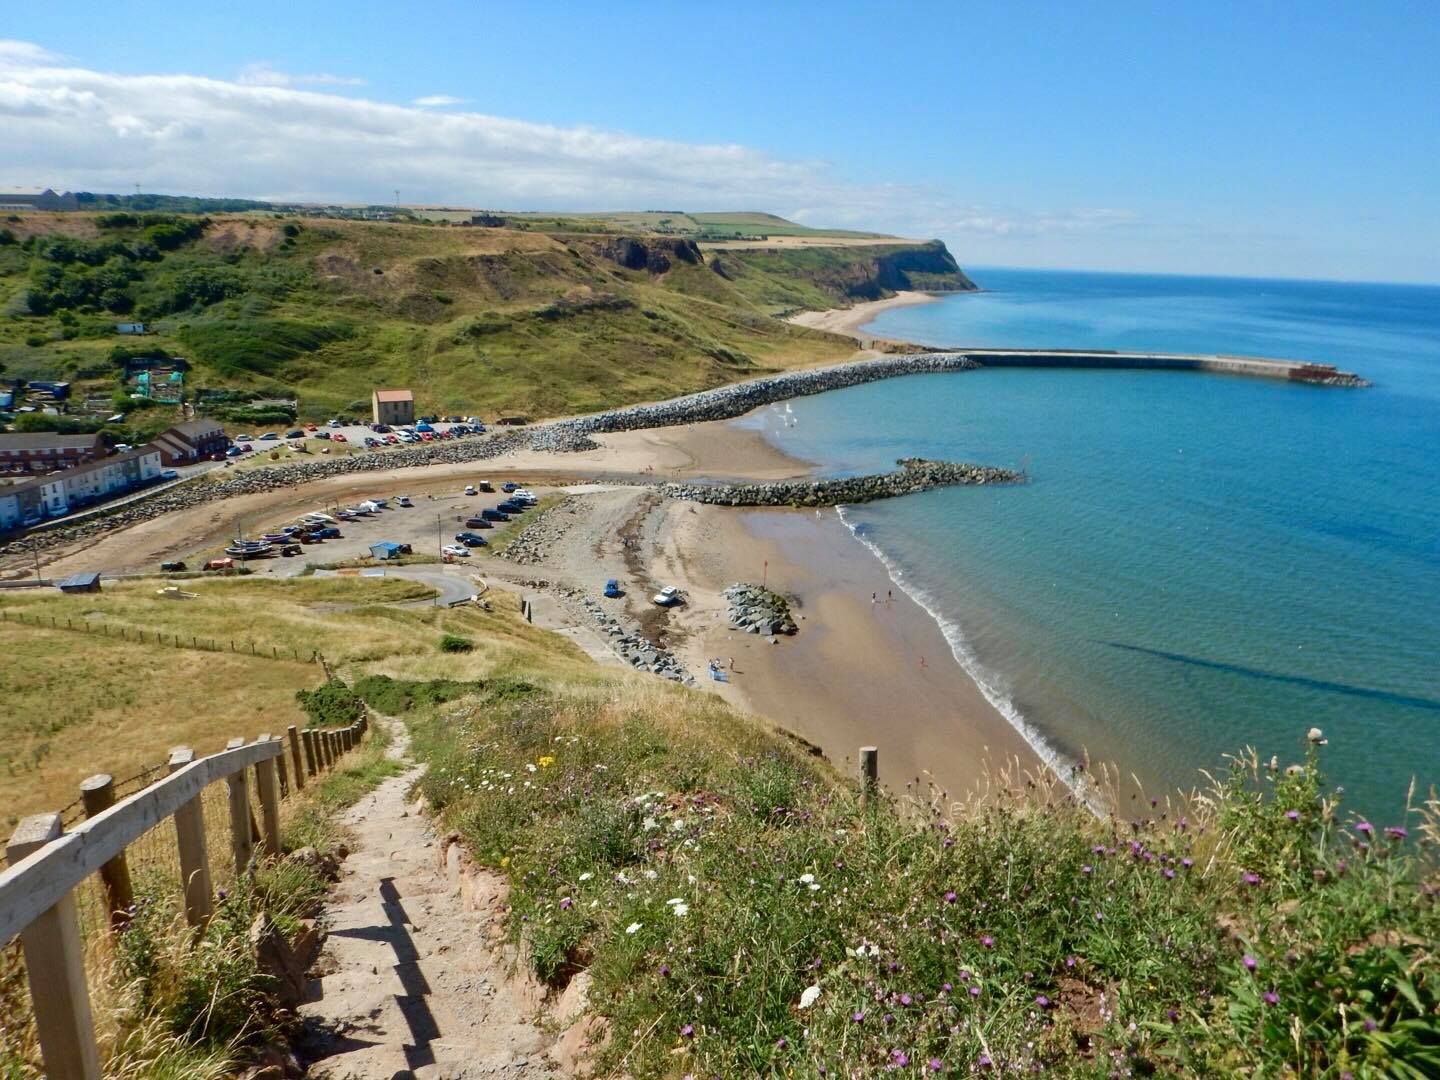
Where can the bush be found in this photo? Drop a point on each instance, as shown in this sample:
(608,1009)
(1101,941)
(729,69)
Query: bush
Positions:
(331,704)
(396,696)
(454,643)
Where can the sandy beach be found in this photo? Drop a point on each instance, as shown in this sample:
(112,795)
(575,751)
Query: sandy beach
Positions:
(851,321)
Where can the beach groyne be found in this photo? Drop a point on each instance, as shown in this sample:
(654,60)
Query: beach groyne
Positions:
(913,476)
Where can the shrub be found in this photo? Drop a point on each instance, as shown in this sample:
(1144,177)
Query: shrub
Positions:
(454,643)
(332,704)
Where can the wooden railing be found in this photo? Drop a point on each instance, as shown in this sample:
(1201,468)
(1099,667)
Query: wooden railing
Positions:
(47,864)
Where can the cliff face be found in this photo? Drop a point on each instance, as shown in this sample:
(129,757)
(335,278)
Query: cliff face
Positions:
(930,268)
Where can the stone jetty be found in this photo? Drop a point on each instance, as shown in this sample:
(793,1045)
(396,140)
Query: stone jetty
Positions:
(756,610)
(914,475)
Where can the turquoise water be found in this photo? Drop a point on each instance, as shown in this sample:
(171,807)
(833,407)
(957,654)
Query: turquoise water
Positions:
(1200,562)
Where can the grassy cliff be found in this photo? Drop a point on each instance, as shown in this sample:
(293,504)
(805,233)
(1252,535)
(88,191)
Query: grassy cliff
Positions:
(476,320)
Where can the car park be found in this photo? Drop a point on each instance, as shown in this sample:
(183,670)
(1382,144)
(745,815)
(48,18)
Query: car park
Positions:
(612,589)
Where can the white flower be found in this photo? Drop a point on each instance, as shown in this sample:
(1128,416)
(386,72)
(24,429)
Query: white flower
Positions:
(675,900)
(530,766)
(601,768)
(807,998)
(806,879)
(649,823)
(681,910)
(632,928)
(692,879)
(586,876)
(1316,736)
(814,886)
(651,875)
(677,825)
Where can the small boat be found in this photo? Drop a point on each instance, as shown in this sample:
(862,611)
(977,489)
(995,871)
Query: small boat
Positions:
(249,549)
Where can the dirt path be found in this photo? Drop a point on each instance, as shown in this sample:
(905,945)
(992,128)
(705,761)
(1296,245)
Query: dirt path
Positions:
(410,984)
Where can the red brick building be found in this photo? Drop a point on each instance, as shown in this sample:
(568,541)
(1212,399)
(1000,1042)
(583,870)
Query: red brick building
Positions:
(198,440)
(33,452)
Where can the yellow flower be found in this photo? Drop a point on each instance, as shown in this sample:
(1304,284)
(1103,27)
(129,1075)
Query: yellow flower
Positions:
(505,861)
(546,761)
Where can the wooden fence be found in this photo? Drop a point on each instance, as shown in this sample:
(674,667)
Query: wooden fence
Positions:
(141,636)
(41,891)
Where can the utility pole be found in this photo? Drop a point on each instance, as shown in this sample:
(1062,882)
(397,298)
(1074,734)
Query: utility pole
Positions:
(440,544)
(35,551)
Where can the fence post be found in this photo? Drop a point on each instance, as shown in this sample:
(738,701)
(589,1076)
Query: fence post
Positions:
(98,795)
(311,754)
(266,781)
(55,965)
(330,754)
(296,756)
(194,861)
(869,773)
(281,769)
(241,844)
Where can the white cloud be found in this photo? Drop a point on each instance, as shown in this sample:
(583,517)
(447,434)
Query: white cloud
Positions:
(262,73)
(435,101)
(265,135)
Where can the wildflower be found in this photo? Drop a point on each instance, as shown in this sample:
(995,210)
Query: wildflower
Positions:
(1316,736)
(806,879)
(565,903)
(1187,863)
(1087,869)
(529,767)
(1250,962)
(1271,997)
(1293,815)
(1173,1015)
(1169,873)
(974,991)
(1364,828)
(858,1017)
(949,842)
(1070,961)
(987,941)
(1251,879)
(946,988)
(900,1058)
(780,1043)
(1042,1001)
(688,1031)
(680,910)
(1370,1025)
(906,999)
(936,1065)
(664,971)
(632,927)
(586,876)
(505,861)
(1396,832)
(808,996)
(950,897)
(545,761)
(984,1061)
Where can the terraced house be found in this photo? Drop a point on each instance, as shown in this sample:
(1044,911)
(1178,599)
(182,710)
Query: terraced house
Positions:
(32,452)
(33,501)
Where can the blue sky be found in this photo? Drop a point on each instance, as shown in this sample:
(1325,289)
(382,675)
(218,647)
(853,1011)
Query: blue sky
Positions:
(1291,139)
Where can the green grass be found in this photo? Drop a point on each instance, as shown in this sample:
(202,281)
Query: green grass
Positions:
(477,321)
(713,880)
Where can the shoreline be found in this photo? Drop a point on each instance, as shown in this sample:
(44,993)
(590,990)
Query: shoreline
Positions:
(849,322)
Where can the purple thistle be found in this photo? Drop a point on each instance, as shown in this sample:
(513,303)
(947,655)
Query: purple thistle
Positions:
(1070,961)
(974,991)
(946,988)
(906,999)
(858,1017)
(1173,1015)
(1271,997)
(688,1031)
(949,841)
(950,897)
(1169,873)
(984,1061)
(936,1065)
(1250,962)
(1396,832)
(1087,869)
(1293,815)
(664,971)
(1042,1001)
(780,1043)
(1187,863)
(565,903)
(900,1058)
(1370,1025)
(1251,879)
(987,941)
(1364,827)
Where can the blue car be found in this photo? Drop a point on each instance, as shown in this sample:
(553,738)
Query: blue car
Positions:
(422,426)
(612,589)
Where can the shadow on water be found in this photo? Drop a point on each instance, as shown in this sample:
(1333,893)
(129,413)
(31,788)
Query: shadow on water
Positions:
(1347,689)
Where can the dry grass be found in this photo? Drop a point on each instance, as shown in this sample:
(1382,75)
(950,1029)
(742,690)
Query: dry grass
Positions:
(78,702)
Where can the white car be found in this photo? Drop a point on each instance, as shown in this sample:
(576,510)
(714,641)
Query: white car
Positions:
(457,550)
(668,597)
(522,493)
(404,500)
(470,489)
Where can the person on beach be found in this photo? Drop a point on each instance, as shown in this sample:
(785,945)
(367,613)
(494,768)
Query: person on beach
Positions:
(889,596)
(874,598)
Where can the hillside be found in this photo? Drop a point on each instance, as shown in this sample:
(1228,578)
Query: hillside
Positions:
(737,909)
(478,320)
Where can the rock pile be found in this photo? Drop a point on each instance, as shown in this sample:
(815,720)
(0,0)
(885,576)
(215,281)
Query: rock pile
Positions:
(757,610)
(629,643)
(915,474)
(534,541)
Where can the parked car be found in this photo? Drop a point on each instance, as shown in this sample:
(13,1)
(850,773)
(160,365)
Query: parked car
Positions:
(380,429)
(295,433)
(509,485)
(485,485)
(470,539)
(321,435)
(423,426)
(455,551)
(339,436)
(169,474)
(470,489)
(494,515)
(329,533)
(425,436)
(270,436)
(404,500)
(669,596)
(234,451)
(371,442)
(175,566)
(509,507)
(243,438)
(392,440)
(613,590)
(478,523)
(332,423)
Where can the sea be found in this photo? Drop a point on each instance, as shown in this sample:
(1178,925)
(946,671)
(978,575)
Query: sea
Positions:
(1199,563)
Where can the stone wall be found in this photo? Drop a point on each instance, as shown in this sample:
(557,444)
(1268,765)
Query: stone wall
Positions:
(914,475)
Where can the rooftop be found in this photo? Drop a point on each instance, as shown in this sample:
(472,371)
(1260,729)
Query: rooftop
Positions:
(38,440)
(394,395)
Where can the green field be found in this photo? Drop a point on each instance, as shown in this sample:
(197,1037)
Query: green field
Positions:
(480,321)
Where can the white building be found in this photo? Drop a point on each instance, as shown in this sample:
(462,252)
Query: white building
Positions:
(65,492)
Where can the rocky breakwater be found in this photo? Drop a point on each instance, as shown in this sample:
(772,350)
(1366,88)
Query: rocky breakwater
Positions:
(757,610)
(534,541)
(727,402)
(914,475)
